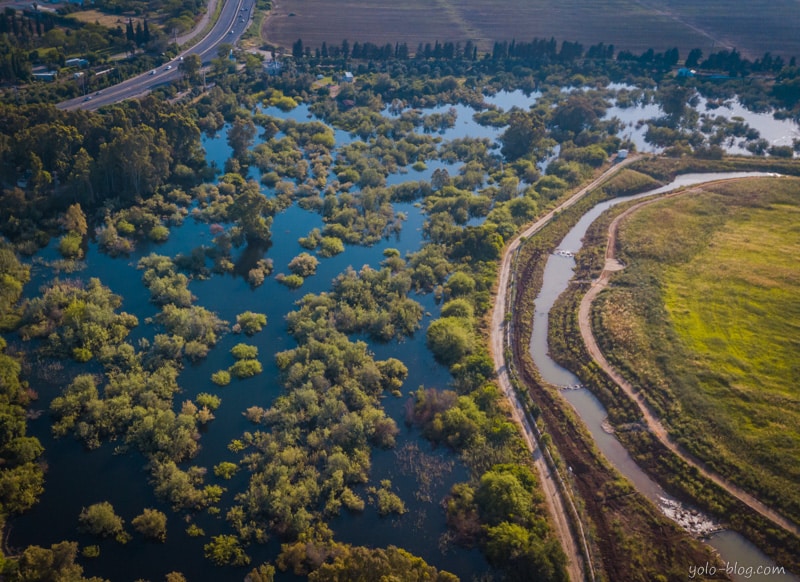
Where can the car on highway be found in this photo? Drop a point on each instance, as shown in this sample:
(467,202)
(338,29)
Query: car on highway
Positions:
(87,98)
(169,67)
(153,72)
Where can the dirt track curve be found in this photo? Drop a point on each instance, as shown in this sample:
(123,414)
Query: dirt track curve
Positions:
(653,423)
(556,502)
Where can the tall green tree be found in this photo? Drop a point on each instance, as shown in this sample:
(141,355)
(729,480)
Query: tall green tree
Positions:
(522,137)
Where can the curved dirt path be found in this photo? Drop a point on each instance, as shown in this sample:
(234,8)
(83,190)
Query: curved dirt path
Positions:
(556,502)
(654,424)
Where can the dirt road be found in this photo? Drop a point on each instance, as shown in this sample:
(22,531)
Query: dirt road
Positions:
(556,502)
(653,423)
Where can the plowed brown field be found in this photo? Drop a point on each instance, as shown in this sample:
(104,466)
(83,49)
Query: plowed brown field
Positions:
(752,27)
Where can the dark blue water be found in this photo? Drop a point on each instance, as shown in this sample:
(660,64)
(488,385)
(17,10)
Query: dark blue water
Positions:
(77,478)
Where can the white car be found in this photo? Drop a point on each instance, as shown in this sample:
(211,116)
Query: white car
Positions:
(169,67)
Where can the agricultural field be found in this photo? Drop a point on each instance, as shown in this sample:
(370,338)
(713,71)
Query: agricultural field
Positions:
(752,28)
(704,319)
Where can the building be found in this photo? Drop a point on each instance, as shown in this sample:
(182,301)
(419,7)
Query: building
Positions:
(44,75)
(76,63)
(348,77)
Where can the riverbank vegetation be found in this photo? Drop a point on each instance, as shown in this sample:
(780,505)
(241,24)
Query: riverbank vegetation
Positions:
(610,508)
(631,333)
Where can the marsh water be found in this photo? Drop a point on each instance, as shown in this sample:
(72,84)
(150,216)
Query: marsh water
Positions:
(732,547)
(77,478)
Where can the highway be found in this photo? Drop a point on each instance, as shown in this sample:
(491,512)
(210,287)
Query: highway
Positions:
(232,22)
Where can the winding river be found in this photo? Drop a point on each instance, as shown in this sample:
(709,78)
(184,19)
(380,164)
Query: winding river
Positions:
(733,548)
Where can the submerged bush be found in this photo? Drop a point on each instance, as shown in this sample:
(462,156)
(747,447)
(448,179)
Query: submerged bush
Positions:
(250,323)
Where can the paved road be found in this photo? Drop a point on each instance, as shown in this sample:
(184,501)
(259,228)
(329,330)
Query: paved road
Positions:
(556,502)
(233,20)
(653,422)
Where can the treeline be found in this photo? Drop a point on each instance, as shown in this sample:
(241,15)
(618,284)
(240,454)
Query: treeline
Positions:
(541,50)
(52,158)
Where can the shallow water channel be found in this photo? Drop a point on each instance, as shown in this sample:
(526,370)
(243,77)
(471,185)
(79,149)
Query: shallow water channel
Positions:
(733,548)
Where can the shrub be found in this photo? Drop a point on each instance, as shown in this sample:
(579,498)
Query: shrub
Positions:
(250,322)
(291,281)
(70,246)
(458,308)
(195,350)
(210,401)
(226,469)
(195,531)
(330,246)
(100,520)
(245,368)
(152,524)
(244,352)
(224,550)
(221,378)
(450,339)
(304,265)
(158,233)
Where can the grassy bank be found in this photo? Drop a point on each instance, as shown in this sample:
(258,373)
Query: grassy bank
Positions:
(651,326)
(633,540)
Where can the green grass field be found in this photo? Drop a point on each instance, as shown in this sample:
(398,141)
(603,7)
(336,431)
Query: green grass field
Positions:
(752,28)
(706,318)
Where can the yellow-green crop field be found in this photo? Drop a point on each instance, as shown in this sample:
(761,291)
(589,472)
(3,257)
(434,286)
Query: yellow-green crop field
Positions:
(706,318)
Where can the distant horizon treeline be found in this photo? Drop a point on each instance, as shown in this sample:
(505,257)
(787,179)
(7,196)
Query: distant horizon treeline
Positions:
(545,50)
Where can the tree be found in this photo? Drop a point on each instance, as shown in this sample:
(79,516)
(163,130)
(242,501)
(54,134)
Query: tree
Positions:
(56,564)
(693,59)
(190,66)
(264,573)
(450,339)
(460,284)
(304,265)
(575,114)
(74,220)
(501,497)
(525,131)
(241,135)
(225,550)
(253,212)
(250,323)
(99,519)
(151,524)
(297,49)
